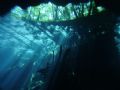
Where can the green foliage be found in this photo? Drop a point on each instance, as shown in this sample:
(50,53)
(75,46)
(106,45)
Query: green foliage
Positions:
(51,12)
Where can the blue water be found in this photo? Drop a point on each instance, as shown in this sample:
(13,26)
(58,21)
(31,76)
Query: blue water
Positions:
(25,48)
(28,46)
(117,32)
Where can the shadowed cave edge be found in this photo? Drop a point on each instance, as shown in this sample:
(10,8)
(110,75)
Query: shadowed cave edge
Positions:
(93,65)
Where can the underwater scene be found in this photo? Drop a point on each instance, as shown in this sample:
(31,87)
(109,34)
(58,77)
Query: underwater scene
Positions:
(30,49)
(52,46)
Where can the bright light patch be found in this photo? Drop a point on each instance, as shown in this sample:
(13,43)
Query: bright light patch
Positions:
(117,37)
(64,33)
(18,12)
(100,9)
(51,12)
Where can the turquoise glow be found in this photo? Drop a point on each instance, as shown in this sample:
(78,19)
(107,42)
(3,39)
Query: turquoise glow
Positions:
(27,46)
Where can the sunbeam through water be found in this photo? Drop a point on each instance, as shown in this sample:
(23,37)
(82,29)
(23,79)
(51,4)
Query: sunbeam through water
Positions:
(28,48)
